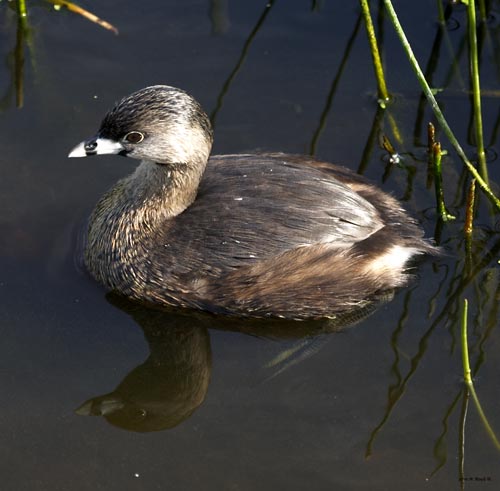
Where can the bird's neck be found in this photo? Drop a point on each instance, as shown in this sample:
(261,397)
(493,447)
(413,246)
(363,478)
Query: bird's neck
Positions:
(127,220)
(160,191)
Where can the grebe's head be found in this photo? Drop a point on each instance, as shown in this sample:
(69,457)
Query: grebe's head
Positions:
(160,124)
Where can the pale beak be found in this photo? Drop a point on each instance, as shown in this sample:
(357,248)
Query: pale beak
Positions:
(100,406)
(96,146)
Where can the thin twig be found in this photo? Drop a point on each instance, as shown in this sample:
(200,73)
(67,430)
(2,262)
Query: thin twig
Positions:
(84,13)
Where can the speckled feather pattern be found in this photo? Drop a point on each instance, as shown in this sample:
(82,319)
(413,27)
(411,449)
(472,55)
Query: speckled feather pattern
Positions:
(265,235)
(269,235)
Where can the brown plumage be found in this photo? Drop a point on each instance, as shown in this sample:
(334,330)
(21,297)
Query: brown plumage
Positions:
(269,235)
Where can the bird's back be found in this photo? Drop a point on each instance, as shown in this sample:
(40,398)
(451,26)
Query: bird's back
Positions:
(250,208)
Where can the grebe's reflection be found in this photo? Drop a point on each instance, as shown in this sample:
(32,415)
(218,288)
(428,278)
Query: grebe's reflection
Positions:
(168,387)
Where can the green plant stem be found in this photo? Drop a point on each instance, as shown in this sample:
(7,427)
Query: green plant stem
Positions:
(461,438)
(21,9)
(440,8)
(469,224)
(482,11)
(21,36)
(438,181)
(465,347)
(469,210)
(468,377)
(476,88)
(383,94)
(435,107)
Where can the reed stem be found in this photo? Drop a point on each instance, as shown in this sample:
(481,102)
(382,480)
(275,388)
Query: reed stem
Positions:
(435,107)
(383,94)
(469,211)
(22,11)
(469,224)
(438,181)
(476,88)
(468,377)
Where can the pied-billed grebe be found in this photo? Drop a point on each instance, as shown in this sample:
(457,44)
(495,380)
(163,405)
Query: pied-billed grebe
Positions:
(266,235)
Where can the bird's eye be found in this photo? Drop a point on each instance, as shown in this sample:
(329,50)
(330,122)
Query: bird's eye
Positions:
(134,137)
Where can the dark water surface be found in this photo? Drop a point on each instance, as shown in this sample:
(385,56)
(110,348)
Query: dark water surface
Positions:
(380,406)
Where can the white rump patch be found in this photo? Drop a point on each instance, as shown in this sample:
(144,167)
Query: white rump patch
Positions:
(393,261)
